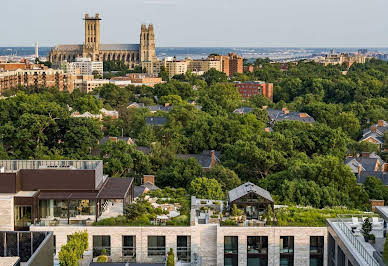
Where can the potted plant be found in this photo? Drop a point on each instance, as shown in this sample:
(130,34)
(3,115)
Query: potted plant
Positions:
(372,239)
(366,229)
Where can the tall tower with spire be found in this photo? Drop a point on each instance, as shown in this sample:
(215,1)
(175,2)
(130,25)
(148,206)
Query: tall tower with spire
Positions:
(147,43)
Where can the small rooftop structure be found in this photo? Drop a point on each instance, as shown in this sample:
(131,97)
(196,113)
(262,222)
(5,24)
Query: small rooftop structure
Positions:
(156,121)
(247,188)
(207,159)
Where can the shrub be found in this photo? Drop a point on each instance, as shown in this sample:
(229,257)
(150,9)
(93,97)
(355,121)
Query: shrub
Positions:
(385,252)
(214,216)
(228,222)
(102,258)
(236,211)
(171,258)
(366,227)
(70,253)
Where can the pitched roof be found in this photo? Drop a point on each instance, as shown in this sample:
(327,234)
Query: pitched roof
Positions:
(243,110)
(156,121)
(147,186)
(204,158)
(279,115)
(374,135)
(125,139)
(383,176)
(247,188)
(158,107)
(119,47)
(115,188)
(68,47)
(143,149)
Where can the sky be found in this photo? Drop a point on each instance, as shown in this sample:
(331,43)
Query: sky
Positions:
(200,23)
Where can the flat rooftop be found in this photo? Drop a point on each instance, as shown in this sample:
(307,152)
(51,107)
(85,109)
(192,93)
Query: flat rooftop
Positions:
(9,166)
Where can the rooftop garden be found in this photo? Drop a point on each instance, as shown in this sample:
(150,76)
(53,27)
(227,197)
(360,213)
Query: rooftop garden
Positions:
(294,216)
(161,207)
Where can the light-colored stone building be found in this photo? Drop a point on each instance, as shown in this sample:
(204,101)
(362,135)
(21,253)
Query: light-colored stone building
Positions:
(83,66)
(131,54)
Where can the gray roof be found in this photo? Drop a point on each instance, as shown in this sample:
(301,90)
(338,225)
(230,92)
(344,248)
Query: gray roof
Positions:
(156,121)
(68,47)
(374,135)
(383,176)
(143,149)
(139,190)
(119,47)
(367,163)
(154,108)
(204,158)
(247,188)
(279,115)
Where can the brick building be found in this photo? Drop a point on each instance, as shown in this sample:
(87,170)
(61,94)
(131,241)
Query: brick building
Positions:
(253,88)
(36,78)
(230,64)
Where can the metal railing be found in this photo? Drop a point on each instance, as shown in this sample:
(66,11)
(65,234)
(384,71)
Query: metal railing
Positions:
(15,165)
(369,259)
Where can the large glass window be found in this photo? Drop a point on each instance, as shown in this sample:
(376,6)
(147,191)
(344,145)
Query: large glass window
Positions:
(184,248)
(156,246)
(316,250)
(129,246)
(22,217)
(100,243)
(331,250)
(230,250)
(53,208)
(287,251)
(257,251)
(82,207)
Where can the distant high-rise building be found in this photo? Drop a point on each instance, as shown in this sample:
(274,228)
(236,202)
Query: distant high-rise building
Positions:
(230,64)
(36,50)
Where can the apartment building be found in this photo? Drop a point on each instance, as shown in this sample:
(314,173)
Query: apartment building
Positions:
(36,78)
(137,79)
(253,88)
(230,64)
(83,66)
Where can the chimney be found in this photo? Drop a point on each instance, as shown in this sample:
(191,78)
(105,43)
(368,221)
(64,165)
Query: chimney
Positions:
(359,169)
(286,112)
(149,179)
(303,115)
(267,129)
(166,104)
(264,107)
(214,160)
(380,123)
(385,167)
(373,128)
(114,139)
(365,154)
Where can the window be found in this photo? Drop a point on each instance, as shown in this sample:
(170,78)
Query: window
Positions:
(100,243)
(230,250)
(340,257)
(55,244)
(257,251)
(286,250)
(184,248)
(129,246)
(316,250)
(156,245)
(331,250)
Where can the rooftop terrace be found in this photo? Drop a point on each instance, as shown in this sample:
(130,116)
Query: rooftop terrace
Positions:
(8,166)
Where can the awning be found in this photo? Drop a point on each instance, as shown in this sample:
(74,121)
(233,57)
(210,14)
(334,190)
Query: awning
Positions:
(65,195)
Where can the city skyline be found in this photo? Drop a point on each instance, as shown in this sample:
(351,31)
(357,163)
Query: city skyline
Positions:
(301,23)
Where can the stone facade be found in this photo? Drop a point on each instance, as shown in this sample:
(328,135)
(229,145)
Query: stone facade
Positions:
(6,213)
(207,241)
(131,54)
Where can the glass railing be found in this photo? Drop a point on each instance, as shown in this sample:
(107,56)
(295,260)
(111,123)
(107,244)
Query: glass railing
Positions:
(115,254)
(14,165)
(341,220)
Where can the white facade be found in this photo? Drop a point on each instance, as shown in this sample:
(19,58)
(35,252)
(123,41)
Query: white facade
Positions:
(207,241)
(84,66)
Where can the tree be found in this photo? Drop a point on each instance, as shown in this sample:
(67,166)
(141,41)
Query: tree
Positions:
(178,173)
(213,76)
(123,160)
(205,188)
(67,256)
(227,178)
(171,258)
(87,103)
(375,188)
(236,211)
(163,74)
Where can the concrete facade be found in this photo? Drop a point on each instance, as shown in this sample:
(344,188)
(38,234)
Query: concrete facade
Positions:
(207,241)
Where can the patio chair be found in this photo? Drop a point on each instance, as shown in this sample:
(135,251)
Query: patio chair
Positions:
(376,224)
(355,223)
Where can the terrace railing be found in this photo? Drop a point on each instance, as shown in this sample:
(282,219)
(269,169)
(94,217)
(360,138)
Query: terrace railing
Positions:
(15,165)
(369,259)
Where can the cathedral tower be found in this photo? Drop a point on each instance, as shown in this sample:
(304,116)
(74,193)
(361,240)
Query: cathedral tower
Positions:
(147,43)
(92,32)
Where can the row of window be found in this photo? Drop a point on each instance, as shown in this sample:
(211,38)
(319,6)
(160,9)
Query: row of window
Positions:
(156,246)
(257,250)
